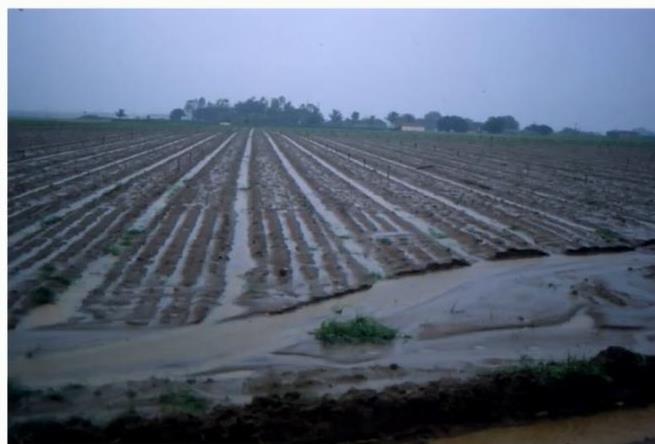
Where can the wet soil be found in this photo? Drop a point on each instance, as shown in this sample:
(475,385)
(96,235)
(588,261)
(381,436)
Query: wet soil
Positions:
(441,408)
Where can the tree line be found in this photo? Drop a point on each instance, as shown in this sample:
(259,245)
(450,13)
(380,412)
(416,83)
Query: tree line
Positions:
(279,111)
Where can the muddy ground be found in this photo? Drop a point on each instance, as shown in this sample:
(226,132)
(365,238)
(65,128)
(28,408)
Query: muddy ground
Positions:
(614,377)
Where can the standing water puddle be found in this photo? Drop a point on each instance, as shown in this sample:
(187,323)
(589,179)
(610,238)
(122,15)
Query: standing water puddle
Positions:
(617,427)
(240,259)
(70,300)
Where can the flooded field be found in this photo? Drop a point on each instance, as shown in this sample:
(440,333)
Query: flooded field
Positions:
(211,224)
(138,262)
(327,225)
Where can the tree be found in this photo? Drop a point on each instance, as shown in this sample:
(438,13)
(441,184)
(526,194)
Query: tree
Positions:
(543,130)
(310,115)
(121,113)
(177,114)
(568,131)
(190,107)
(500,124)
(354,116)
(393,117)
(407,118)
(431,119)
(222,104)
(452,123)
(474,125)
(336,117)
(374,123)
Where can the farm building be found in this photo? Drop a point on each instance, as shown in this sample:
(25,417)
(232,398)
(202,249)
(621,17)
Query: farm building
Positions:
(415,128)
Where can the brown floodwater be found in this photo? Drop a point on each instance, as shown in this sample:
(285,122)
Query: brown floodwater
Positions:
(462,320)
(616,427)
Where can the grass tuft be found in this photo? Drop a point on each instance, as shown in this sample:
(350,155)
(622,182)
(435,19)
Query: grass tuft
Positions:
(183,401)
(549,372)
(361,330)
(608,235)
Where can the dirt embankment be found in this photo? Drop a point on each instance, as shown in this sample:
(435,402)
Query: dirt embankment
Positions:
(615,377)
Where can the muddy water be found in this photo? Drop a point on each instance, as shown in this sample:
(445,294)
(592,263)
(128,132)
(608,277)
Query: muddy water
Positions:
(241,260)
(489,299)
(175,278)
(323,278)
(617,427)
(70,300)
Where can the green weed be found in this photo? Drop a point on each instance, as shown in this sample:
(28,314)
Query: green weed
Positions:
(183,401)
(361,330)
(548,372)
(608,235)
(385,241)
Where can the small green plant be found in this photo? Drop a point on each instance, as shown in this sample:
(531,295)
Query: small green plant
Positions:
(51,221)
(129,236)
(361,330)
(385,241)
(47,274)
(42,295)
(60,280)
(375,276)
(114,250)
(548,372)
(47,270)
(608,235)
(183,401)
(437,234)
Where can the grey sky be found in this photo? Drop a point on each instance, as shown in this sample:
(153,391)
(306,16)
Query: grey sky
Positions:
(595,69)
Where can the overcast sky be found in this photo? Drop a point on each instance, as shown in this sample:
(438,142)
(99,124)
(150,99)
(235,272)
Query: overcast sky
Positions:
(593,69)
